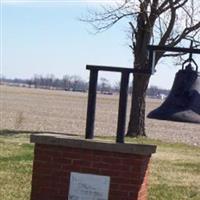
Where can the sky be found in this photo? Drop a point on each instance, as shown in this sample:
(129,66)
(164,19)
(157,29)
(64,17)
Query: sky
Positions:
(47,37)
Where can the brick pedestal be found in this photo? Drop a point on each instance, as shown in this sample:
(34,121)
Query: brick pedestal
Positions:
(56,156)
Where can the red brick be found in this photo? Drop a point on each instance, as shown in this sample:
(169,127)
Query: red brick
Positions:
(97,158)
(114,186)
(101,165)
(112,160)
(117,194)
(53,165)
(82,163)
(90,170)
(109,172)
(121,180)
(128,187)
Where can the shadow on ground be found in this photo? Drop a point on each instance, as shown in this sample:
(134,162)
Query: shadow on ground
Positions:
(6,132)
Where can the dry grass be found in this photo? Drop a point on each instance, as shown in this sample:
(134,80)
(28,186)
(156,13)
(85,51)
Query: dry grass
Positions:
(15,167)
(65,112)
(175,169)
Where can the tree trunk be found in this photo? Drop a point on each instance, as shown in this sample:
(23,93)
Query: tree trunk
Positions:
(136,125)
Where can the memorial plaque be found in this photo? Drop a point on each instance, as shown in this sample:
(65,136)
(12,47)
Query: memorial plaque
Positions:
(88,187)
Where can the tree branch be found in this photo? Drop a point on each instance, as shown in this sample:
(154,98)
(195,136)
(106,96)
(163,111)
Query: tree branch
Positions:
(185,32)
(154,13)
(170,26)
(102,21)
(164,7)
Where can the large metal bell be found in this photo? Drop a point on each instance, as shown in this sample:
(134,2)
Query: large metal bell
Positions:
(183,102)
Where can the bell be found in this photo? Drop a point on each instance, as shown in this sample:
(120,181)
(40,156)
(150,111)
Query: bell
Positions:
(183,102)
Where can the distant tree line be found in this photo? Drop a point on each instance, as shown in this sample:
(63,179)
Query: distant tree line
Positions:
(154,91)
(75,83)
(68,83)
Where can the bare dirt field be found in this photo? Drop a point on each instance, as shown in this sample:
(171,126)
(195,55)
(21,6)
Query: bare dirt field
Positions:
(39,110)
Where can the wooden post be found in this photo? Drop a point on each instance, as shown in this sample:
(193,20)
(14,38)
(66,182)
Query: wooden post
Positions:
(91,107)
(122,107)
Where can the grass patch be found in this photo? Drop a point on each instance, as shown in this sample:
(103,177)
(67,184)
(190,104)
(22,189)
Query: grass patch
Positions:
(175,169)
(175,172)
(166,192)
(16,157)
(192,167)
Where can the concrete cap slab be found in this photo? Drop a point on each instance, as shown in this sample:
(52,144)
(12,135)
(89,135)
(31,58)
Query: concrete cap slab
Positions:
(78,142)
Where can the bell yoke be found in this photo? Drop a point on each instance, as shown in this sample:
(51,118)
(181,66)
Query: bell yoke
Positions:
(183,102)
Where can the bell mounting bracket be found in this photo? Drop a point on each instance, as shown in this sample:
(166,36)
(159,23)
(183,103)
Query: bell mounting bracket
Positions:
(154,48)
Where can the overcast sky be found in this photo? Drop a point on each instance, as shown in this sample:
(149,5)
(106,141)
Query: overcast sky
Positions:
(46,37)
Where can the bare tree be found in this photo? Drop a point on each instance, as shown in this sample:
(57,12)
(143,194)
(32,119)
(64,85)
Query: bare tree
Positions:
(158,22)
(67,82)
(104,85)
(48,80)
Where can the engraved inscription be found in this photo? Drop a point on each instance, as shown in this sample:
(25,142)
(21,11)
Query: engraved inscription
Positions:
(88,187)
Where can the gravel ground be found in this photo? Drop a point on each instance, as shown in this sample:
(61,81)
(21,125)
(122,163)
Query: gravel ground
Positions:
(40,110)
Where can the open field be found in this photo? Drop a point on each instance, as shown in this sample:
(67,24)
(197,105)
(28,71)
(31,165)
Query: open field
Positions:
(38,110)
(175,169)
